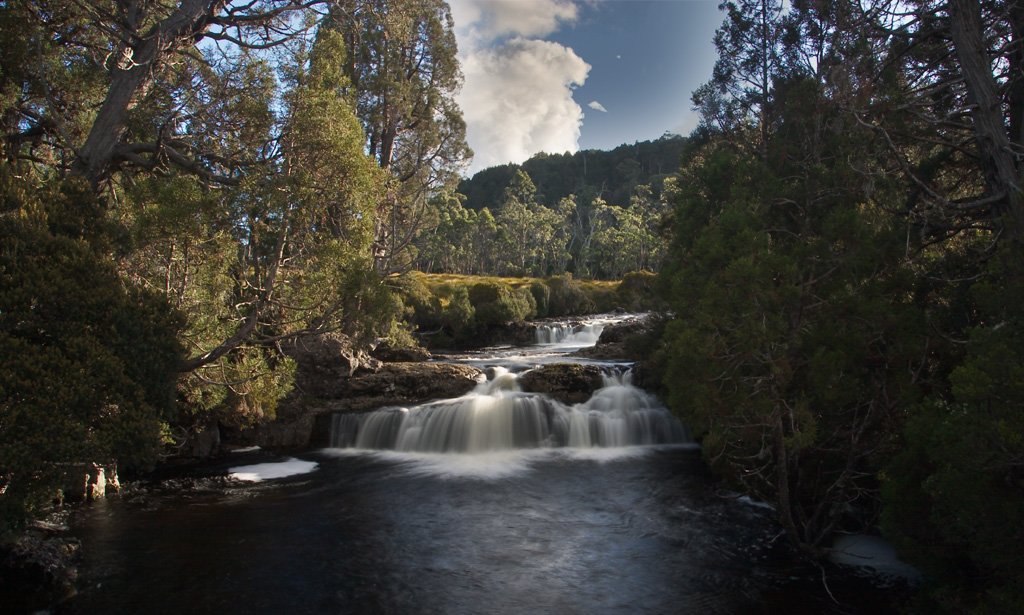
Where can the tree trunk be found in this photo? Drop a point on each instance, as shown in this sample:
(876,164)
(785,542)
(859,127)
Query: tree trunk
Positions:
(997,158)
(131,73)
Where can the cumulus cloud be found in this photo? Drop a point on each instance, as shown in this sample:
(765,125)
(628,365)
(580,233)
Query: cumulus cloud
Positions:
(517,94)
(596,106)
(517,101)
(488,20)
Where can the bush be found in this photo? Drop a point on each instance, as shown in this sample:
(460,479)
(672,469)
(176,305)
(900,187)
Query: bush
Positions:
(88,367)
(457,310)
(955,495)
(637,292)
(541,297)
(496,303)
(567,297)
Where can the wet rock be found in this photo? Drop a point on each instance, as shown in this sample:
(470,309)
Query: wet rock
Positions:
(568,383)
(614,343)
(619,331)
(416,382)
(205,442)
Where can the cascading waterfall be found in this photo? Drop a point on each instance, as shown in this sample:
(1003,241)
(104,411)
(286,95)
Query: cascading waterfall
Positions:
(569,335)
(499,416)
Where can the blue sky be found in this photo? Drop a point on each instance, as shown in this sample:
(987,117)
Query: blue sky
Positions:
(561,75)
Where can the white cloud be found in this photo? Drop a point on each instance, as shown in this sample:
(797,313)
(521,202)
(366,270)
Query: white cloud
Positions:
(596,106)
(517,101)
(517,94)
(488,20)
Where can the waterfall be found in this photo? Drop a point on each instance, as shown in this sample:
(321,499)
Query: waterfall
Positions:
(499,416)
(585,335)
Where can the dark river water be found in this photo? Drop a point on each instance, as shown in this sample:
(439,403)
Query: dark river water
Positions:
(633,529)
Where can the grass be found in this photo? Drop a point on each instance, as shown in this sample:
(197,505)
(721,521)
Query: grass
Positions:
(434,280)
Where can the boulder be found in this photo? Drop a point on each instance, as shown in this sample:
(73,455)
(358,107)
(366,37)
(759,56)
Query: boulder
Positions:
(325,362)
(389,354)
(612,345)
(619,331)
(569,383)
(416,382)
(205,441)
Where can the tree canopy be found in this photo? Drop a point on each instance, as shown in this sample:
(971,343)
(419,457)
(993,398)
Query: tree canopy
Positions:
(844,272)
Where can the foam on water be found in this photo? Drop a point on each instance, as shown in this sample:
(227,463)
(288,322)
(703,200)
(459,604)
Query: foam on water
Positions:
(267,471)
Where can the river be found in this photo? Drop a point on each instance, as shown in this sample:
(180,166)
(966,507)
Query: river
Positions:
(446,509)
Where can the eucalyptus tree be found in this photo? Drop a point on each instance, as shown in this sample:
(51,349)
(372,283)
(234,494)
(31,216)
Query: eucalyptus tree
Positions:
(404,74)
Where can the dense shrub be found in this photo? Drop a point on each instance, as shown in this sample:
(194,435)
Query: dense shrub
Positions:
(421,306)
(541,297)
(637,292)
(457,310)
(955,495)
(88,367)
(497,303)
(568,297)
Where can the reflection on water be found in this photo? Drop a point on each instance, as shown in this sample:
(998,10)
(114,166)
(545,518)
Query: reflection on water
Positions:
(525,519)
(632,530)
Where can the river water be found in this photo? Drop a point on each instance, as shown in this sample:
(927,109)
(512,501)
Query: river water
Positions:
(446,509)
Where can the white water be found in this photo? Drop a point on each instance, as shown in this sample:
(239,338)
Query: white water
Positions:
(565,334)
(497,416)
(569,335)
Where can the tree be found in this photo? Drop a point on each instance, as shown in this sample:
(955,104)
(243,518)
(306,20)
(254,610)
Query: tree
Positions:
(402,66)
(126,52)
(749,45)
(802,346)
(222,144)
(282,254)
(953,117)
(87,366)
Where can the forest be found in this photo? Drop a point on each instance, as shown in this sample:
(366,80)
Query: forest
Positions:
(185,186)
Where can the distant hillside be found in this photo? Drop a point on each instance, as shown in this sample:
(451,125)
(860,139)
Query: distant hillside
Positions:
(611,175)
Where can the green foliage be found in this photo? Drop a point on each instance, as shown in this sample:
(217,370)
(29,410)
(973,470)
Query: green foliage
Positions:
(286,250)
(403,75)
(612,175)
(568,297)
(796,345)
(589,237)
(541,298)
(956,491)
(87,365)
(496,303)
(638,292)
